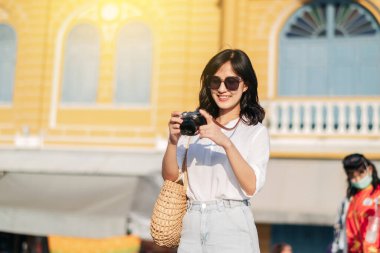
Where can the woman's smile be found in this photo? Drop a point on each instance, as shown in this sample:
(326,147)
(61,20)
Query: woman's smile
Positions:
(223,97)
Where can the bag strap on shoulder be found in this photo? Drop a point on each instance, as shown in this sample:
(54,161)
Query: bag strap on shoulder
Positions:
(183,174)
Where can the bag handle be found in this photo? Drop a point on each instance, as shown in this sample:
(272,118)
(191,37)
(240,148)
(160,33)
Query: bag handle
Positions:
(183,174)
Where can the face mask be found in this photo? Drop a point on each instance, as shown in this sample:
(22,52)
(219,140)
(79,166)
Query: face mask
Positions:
(363,183)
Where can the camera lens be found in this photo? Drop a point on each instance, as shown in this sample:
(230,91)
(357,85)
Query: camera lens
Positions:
(188,127)
(199,121)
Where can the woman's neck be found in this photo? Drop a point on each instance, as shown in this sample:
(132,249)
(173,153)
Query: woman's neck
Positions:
(227,117)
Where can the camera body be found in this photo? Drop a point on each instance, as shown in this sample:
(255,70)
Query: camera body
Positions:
(191,122)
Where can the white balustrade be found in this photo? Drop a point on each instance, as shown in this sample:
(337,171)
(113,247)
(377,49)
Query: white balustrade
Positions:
(375,120)
(296,124)
(284,119)
(330,118)
(342,122)
(352,119)
(323,117)
(307,118)
(274,118)
(318,121)
(364,124)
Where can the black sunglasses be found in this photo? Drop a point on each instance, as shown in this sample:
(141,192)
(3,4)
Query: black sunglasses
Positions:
(354,161)
(231,82)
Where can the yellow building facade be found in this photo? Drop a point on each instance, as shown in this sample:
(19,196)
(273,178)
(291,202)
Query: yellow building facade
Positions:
(184,35)
(183,42)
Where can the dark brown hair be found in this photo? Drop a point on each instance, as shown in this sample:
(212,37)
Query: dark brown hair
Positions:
(250,110)
(279,247)
(354,162)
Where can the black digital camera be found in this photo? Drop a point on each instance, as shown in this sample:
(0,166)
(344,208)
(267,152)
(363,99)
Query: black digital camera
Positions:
(191,122)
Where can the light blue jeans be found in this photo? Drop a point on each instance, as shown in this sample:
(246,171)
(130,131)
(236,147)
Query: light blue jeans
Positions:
(221,226)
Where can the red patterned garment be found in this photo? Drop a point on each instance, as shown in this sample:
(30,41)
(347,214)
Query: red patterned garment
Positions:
(362,206)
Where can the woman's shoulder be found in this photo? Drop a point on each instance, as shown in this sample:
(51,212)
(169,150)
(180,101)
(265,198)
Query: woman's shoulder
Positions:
(249,132)
(377,189)
(259,127)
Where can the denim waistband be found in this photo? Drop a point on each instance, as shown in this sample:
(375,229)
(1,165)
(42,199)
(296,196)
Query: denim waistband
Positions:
(216,204)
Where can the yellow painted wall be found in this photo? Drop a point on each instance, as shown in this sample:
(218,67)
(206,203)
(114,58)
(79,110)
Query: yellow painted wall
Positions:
(186,34)
(28,19)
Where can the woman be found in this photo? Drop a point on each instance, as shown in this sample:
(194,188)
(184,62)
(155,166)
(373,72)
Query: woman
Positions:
(226,159)
(282,248)
(363,194)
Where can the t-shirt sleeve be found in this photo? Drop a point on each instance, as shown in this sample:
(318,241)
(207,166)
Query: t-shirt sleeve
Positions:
(258,157)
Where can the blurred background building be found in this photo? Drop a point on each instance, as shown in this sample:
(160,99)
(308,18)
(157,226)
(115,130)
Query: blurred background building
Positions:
(87,87)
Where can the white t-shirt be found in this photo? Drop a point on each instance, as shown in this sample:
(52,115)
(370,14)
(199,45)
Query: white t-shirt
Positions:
(209,171)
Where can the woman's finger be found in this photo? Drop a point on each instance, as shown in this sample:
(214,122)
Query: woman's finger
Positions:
(206,115)
(175,120)
(176,126)
(176,114)
(175,131)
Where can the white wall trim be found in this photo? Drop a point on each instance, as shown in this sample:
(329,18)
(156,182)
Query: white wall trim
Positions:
(273,47)
(58,62)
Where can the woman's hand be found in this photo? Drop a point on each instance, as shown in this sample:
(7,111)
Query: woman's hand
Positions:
(213,131)
(174,130)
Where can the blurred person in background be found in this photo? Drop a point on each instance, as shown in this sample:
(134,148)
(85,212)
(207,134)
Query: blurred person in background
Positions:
(282,248)
(357,230)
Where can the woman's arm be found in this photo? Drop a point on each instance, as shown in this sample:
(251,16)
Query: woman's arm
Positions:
(170,170)
(243,172)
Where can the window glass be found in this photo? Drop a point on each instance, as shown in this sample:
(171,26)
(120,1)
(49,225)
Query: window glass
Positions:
(7,62)
(81,65)
(134,65)
(330,49)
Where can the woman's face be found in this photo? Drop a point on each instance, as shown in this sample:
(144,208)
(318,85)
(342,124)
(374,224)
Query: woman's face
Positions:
(356,175)
(287,249)
(228,101)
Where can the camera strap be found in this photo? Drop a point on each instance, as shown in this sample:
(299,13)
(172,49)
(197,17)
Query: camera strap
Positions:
(227,128)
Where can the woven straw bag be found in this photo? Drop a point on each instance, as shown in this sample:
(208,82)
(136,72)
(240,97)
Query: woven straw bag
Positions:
(168,211)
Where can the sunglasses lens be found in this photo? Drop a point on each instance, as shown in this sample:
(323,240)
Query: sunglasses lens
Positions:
(232,83)
(214,82)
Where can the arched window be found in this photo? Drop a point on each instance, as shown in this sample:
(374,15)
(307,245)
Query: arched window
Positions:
(7,62)
(330,49)
(81,65)
(134,65)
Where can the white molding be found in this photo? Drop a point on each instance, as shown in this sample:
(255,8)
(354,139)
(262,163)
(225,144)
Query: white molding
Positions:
(273,49)
(329,145)
(105,139)
(28,142)
(57,64)
(81,162)
(98,106)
